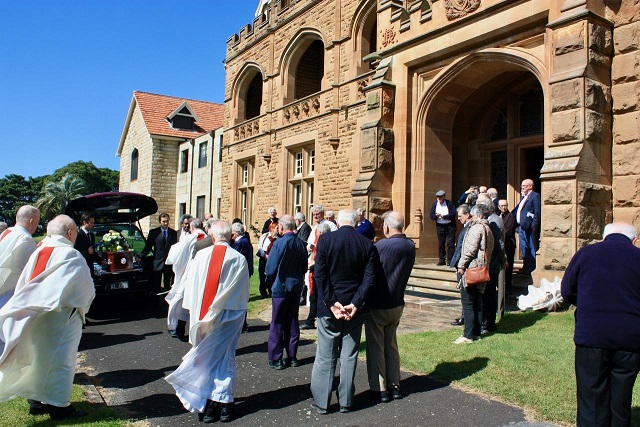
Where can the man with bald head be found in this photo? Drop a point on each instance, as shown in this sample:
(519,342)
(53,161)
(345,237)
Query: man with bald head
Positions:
(527,215)
(397,255)
(16,246)
(601,280)
(216,297)
(41,324)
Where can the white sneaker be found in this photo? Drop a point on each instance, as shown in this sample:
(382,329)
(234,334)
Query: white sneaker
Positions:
(462,340)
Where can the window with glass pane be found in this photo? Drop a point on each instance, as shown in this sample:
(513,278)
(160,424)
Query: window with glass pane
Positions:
(297,198)
(312,161)
(202,157)
(184,161)
(245,173)
(301,165)
(243,206)
(310,200)
(298,163)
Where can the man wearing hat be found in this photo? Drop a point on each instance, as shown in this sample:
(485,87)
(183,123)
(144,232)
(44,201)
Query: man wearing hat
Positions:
(443,213)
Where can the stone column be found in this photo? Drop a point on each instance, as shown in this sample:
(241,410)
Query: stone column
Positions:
(576,177)
(372,189)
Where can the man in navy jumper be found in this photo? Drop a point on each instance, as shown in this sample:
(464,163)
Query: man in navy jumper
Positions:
(603,282)
(397,255)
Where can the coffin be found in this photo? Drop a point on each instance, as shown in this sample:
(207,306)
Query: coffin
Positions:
(118,261)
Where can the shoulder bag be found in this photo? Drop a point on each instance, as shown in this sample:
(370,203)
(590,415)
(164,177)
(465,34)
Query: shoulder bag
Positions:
(478,275)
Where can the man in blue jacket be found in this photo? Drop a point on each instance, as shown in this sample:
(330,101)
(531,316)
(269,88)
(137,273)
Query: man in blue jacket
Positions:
(602,282)
(528,218)
(285,270)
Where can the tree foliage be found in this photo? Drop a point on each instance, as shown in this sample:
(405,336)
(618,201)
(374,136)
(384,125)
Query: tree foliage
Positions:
(17,191)
(56,195)
(96,180)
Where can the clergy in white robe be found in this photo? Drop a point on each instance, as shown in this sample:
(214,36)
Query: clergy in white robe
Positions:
(16,246)
(216,298)
(179,256)
(41,325)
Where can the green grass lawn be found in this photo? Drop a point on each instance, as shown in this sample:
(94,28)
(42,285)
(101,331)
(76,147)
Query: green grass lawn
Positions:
(528,364)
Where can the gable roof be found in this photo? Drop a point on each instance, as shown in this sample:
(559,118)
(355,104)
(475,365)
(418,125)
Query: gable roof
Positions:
(156,109)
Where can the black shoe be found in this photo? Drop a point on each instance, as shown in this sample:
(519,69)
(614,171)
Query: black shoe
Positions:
(37,408)
(345,409)
(384,397)
(65,413)
(276,364)
(211,412)
(318,409)
(173,333)
(307,326)
(227,413)
(441,262)
(458,322)
(293,362)
(396,393)
(245,328)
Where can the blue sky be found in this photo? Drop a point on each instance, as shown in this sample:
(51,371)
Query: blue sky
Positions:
(68,70)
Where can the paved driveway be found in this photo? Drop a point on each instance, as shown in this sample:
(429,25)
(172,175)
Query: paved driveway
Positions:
(127,352)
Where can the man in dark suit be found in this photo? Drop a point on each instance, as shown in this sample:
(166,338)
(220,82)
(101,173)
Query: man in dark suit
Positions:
(303,230)
(509,221)
(602,282)
(345,269)
(86,240)
(160,240)
(528,220)
(464,216)
(272,218)
(444,213)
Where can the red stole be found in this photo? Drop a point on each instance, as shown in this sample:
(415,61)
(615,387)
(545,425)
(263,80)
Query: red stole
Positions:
(312,282)
(4,234)
(41,262)
(200,237)
(213,278)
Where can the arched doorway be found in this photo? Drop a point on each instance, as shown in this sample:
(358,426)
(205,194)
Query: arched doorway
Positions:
(482,120)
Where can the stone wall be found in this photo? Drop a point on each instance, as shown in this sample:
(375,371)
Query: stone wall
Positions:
(625,76)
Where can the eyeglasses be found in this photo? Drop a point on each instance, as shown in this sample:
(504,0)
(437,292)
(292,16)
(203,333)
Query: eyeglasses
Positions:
(502,206)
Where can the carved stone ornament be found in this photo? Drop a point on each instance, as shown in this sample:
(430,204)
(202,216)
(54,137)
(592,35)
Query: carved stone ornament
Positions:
(388,37)
(458,8)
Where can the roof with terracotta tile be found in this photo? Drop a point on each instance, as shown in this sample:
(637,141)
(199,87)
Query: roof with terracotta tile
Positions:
(156,108)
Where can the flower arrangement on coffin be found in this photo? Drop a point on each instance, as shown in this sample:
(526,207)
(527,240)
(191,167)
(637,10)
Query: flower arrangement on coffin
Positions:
(113,241)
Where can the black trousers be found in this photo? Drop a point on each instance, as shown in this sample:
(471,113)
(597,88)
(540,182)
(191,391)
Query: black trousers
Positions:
(605,381)
(313,308)
(265,290)
(163,279)
(490,302)
(510,251)
(446,235)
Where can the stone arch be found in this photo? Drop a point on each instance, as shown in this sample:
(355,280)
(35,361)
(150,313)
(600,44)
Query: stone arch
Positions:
(290,58)
(248,74)
(450,95)
(363,27)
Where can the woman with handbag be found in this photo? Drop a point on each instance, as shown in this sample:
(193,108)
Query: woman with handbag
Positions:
(473,269)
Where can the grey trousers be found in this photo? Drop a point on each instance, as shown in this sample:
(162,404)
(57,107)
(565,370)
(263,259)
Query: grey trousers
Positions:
(383,358)
(336,339)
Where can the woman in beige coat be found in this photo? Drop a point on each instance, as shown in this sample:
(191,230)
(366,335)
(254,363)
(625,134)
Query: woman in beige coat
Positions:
(477,243)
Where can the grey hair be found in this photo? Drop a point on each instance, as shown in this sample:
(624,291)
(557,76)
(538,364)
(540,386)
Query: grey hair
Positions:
(347,217)
(287,222)
(621,228)
(196,223)
(26,213)
(464,208)
(208,223)
(360,211)
(238,228)
(3,225)
(271,209)
(59,225)
(318,208)
(323,227)
(330,214)
(299,216)
(492,192)
(474,210)
(394,220)
(221,230)
(485,208)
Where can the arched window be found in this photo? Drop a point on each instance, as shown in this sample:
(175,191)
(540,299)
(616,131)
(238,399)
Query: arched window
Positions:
(253,98)
(134,164)
(364,34)
(310,70)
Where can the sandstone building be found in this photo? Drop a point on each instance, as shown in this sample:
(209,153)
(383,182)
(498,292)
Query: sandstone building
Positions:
(378,104)
(170,150)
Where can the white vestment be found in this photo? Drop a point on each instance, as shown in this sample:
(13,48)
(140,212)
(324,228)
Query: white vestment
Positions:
(41,326)
(15,249)
(208,370)
(179,256)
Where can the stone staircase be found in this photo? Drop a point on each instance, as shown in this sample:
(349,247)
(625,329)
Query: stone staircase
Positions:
(432,288)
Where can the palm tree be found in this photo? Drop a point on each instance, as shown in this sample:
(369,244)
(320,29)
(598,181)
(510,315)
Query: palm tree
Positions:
(56,195)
